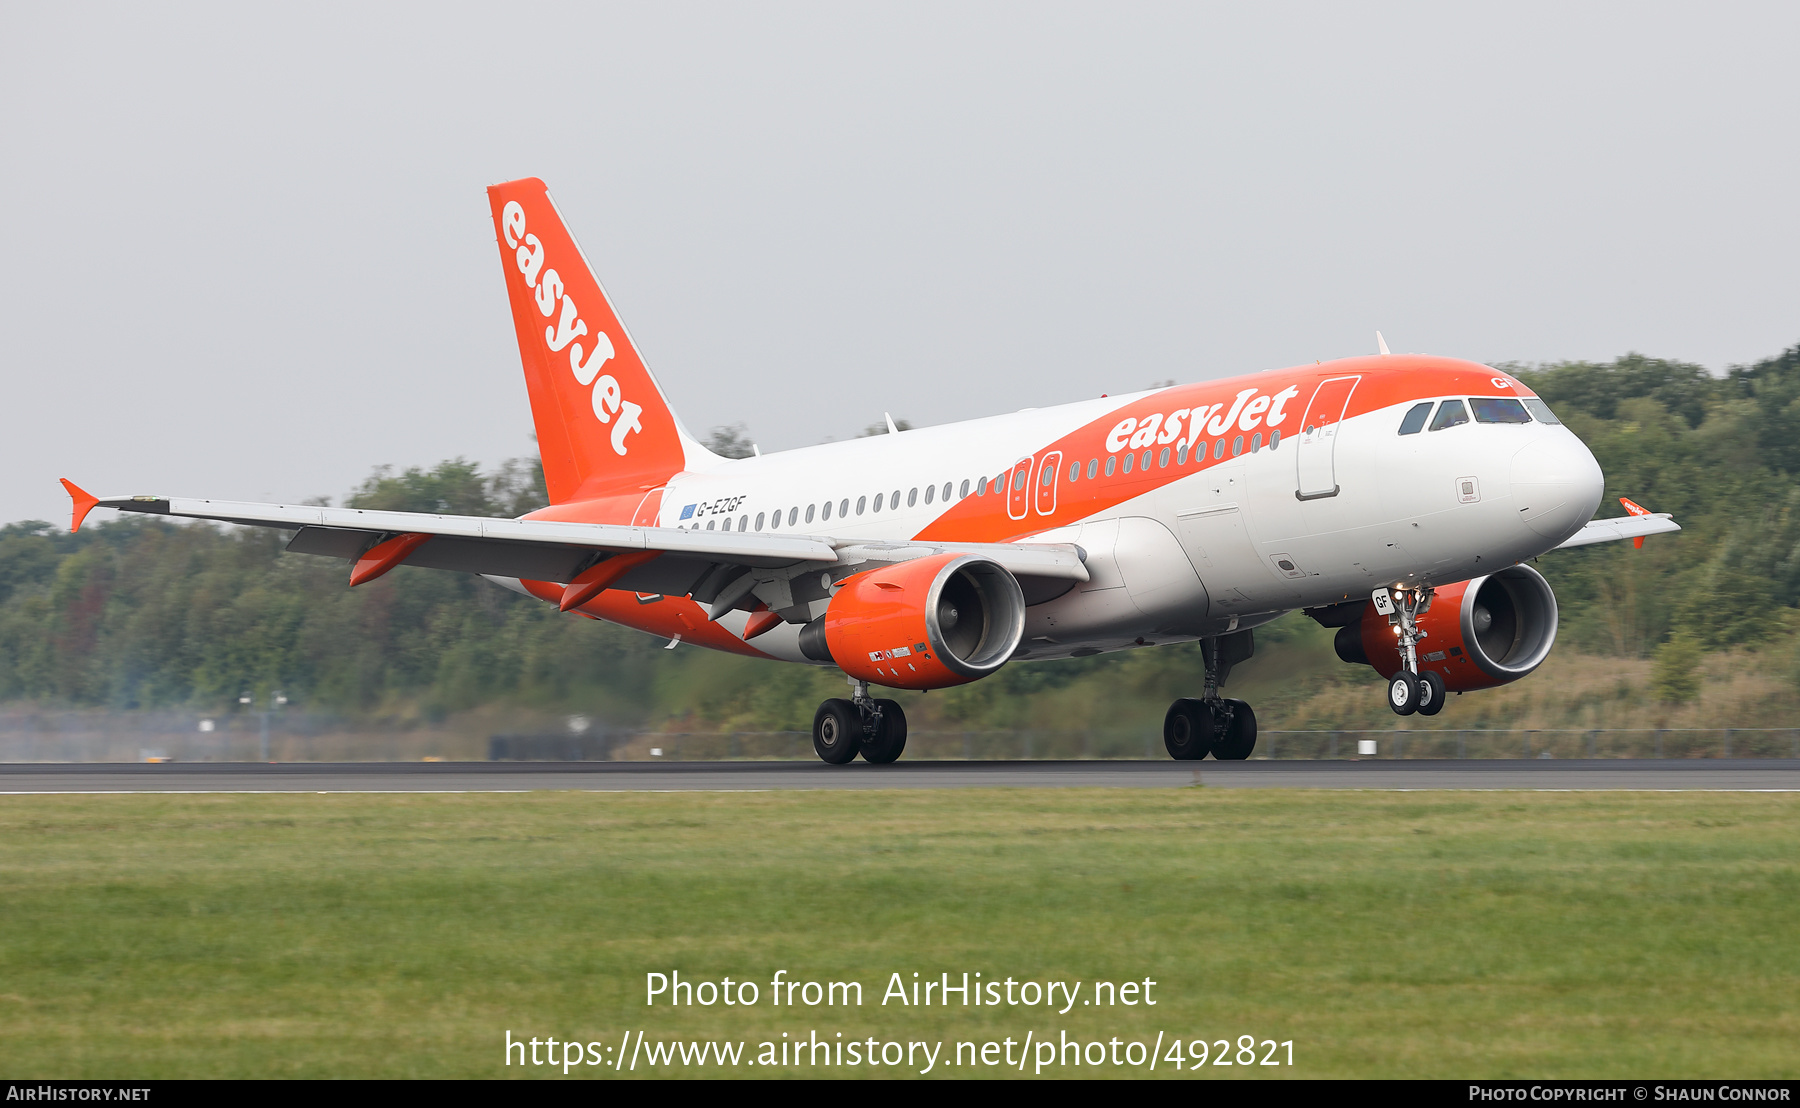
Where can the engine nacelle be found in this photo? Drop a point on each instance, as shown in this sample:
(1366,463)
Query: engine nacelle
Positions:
(925,624)
(1480,633)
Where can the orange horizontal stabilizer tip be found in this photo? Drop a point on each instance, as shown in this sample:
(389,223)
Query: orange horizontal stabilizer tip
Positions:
(594,580)
(383,556)
(760,622)
(84,503)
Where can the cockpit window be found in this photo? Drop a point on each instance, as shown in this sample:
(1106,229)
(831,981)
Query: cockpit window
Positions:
(1498,409)
(1450,414)
(1542,412)
(1415,418)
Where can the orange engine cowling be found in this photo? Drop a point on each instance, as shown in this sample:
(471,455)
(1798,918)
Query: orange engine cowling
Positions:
(925,624)
(1479,633)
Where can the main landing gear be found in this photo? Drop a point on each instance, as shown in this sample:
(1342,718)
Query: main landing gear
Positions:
(1226,729)
(842,729)
(1408,690)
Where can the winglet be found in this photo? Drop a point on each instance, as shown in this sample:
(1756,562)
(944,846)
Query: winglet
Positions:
(1636,510)
(84,503)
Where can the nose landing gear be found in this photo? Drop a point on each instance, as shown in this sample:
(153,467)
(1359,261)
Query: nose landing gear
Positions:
(1212,724)
(1409,690)
(842,729)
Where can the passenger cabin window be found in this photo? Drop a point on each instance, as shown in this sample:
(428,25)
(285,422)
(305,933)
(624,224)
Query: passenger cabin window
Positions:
(759,520)
(1542,412)
(844,507)
(794,516)
(947,491)
(912,497)
(878,497)
(1274,439)
(1130,460)
(1498,409)
(827,513)
(861,503)
(1181,454)
(1218,450)
(1112,462)
(1450,414)
(965,490)
(1415,418)
(1093,467)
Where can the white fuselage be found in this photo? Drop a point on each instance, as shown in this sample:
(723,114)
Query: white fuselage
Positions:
(1228,544)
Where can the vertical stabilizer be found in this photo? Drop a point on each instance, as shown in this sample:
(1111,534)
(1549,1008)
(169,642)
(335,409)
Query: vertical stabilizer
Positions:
(603,423)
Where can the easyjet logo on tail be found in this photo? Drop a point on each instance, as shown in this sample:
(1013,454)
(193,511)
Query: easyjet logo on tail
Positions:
(586,360)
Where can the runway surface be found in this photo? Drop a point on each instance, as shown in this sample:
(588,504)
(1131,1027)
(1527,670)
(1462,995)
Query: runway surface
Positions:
(1766,774)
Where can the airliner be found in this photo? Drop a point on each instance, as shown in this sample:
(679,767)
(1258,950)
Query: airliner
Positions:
(1396,498)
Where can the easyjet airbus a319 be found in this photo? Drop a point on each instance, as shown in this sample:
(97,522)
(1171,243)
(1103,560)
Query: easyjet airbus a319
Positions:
(1395,498)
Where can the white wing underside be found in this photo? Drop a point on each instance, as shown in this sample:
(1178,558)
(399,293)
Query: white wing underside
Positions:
(1621,527)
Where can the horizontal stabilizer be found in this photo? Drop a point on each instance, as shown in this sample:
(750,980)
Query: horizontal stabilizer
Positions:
(85,502)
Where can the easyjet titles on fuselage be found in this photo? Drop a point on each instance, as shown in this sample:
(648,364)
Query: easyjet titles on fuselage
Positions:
(1244,412)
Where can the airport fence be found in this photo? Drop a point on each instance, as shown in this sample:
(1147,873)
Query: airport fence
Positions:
(297,736)
(1392,743)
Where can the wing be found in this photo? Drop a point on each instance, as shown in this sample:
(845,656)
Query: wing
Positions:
(1622,527)
(724,569)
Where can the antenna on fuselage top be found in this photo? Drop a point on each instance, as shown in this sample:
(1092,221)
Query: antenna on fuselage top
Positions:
(892,430)
(1381,343)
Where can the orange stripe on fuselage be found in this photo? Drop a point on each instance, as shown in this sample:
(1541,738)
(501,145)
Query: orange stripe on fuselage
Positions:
(1386,380)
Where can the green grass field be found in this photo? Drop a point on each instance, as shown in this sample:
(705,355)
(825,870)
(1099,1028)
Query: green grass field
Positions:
(1384,934)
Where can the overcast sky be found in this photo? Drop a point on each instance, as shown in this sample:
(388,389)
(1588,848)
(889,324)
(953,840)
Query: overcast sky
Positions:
(249,252)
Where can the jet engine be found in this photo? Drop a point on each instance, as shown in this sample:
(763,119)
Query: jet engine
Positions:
(925,624)
(1479,634)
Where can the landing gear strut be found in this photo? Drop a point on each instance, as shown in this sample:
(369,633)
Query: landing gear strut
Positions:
(842,729)
(1408,689)
(1212,724)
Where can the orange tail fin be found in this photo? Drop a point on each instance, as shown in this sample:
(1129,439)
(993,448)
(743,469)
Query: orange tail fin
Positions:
(603,424)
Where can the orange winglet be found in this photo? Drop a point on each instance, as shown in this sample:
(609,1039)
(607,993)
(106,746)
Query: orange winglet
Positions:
(84,503)
(594,580)
(385,555)
(761,621)
(1636,510)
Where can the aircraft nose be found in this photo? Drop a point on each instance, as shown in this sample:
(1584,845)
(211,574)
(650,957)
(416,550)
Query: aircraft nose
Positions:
(1556,485)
